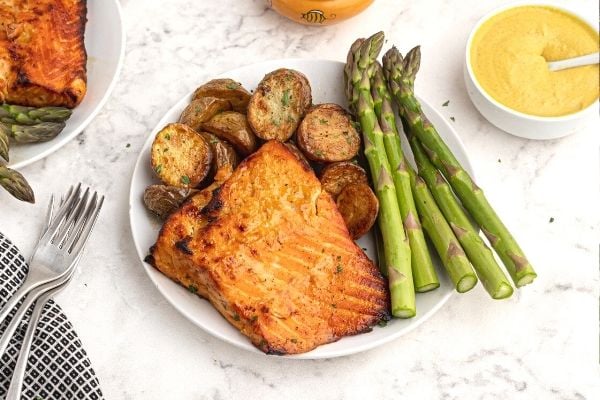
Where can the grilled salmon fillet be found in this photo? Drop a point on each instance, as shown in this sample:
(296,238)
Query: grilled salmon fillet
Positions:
(271,252)
(42,52)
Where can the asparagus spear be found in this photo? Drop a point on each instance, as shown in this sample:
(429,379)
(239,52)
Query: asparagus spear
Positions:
(401,75)
(451,253)
(16,184)
(41,132)
(424,275)
(482,258)
(4,144)
(396,247)
(19,115)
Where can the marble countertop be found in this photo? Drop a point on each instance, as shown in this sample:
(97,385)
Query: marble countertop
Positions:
(540,344)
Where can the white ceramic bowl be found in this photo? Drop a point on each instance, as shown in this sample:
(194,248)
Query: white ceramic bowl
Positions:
(515,122)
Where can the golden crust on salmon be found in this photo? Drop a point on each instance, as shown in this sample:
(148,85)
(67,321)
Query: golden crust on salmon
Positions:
(42,52)
(271,252)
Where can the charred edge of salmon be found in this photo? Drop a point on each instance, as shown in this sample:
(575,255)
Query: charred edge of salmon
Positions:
(182,245)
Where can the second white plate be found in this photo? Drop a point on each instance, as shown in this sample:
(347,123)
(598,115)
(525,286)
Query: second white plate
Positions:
(105,46)
(326,78)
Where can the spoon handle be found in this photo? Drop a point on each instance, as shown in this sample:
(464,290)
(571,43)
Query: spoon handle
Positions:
(588,59)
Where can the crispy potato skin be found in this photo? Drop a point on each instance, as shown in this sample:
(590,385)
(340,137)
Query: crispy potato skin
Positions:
(226,159)
(337,176)
(359,207)
(181,157)
(278,104)
(202,110)
(326,134)
(233,127)
(272,254)
(226,89)
(162,200)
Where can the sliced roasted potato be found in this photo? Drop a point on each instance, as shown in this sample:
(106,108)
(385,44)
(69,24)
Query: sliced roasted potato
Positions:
(233,127)
(226,89)
(162,200)
(326,134)
(181,157)
(202,110)
(296,151)
(278,104)
(226,159)
(359,207)
(337,176)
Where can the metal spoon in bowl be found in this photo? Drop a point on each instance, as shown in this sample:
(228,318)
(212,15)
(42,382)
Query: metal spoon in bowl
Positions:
(588,59)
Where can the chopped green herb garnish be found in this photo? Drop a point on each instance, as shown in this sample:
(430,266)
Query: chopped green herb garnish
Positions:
(233,85)
(323,121)
(453,119)
(319,153)
(192,289)
(254,318)
(382,323)
(236,317)
(185,180)
(499,160)
(339,269)
(128,145)
(275,121)
(285,100)
(551,220)
(158,168)
(446,103)
(167,136)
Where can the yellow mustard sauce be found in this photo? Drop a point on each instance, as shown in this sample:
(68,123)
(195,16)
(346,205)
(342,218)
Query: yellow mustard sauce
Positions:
(509,55)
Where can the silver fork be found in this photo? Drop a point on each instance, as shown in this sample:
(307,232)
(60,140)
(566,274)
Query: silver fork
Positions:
(16,383)
(41,272)
(61,244)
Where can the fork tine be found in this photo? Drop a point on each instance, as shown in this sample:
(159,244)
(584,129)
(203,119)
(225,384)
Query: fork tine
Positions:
(73,216)
(61,214)
(78,227)
(82,239)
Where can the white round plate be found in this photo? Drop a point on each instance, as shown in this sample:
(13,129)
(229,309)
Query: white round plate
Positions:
(326,78)
(105,45)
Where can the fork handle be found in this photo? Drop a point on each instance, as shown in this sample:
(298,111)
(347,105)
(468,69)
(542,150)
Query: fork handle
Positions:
(16,320)
(21,292)
(16,383)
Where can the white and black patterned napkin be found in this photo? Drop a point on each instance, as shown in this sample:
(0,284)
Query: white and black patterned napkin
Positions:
(58,367)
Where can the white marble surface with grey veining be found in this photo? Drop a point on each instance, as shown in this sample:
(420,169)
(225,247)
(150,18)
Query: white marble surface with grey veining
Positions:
(540,344)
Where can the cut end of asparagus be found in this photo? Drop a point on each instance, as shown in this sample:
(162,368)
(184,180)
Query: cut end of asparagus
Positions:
(466,283)
(526,279)
(404,313)
(504,291)
(427,288)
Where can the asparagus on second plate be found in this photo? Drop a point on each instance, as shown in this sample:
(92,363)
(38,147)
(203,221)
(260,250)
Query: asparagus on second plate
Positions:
(21,115)
(15,184)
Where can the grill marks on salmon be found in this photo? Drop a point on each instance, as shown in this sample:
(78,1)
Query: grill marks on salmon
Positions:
(271,252)
(42,52)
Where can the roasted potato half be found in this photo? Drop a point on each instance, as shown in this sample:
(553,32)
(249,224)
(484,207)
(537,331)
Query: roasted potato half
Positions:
(162,200)
(226,159)
(233,127)
(326,134)
(359,207)
(202,110)
(181,157)
(337,176)
(278,104)
(226,89)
